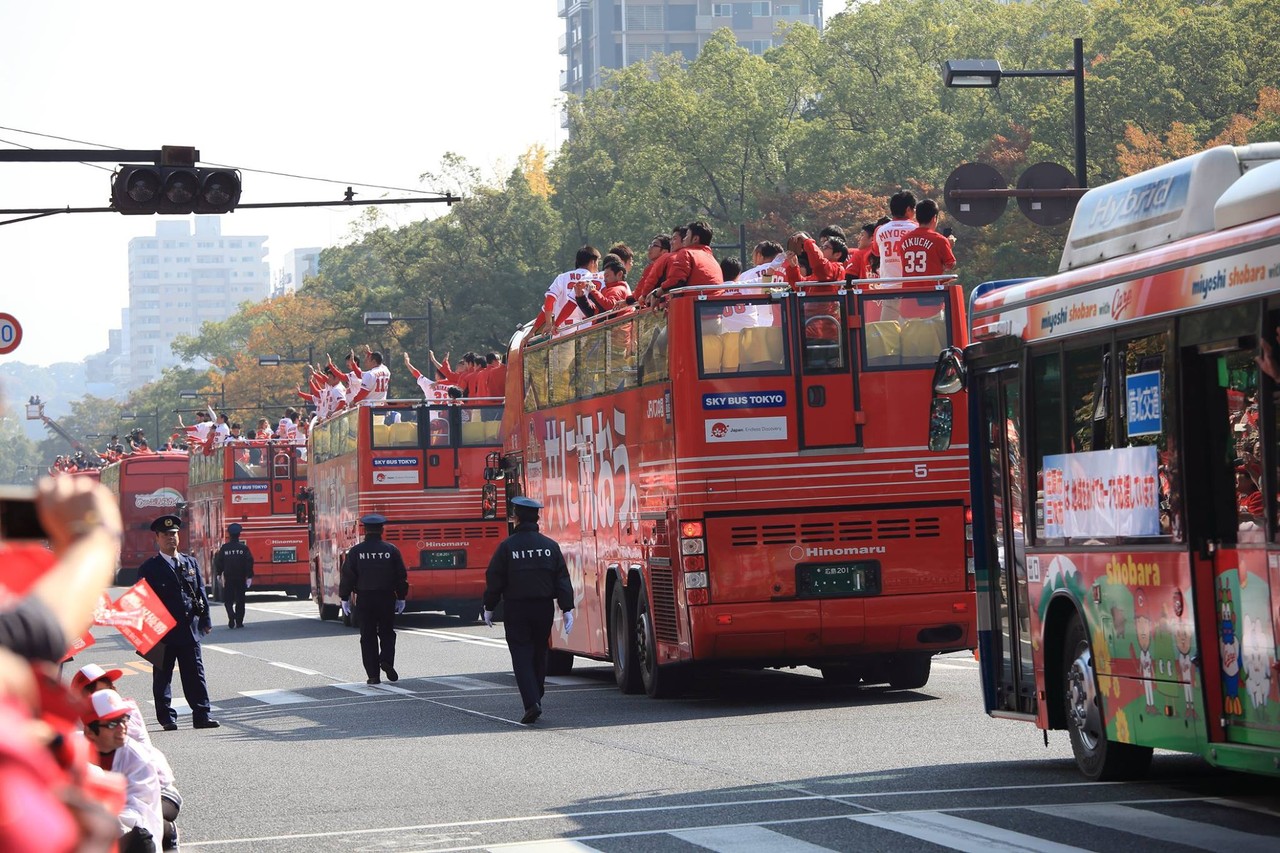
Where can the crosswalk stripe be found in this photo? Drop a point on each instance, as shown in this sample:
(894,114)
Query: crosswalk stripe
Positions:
(957,833)
(180,706)
(276,697)
(293,668)
(746,839)
(460,682)
(1162,827)
(553,845)
(391,688)
(223,649)
(359,687)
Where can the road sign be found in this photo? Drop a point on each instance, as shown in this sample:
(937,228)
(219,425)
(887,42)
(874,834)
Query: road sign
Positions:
(975,211)
(10,333)
(1042,210)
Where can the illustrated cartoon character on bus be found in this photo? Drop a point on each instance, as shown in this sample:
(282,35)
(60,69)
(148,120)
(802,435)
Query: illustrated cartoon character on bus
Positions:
(1183,641)
(1144,629)
(1258,660)
(1229,646)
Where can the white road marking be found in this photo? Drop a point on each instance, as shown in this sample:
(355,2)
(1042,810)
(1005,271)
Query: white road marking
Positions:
(957,833)
(223,649)
(492,642)
(359,687)
(460,682)
(276,697)
(746,839)
(1161,827)
(941,665)
(180,706)
(554,845)
(290,666)
(391,688)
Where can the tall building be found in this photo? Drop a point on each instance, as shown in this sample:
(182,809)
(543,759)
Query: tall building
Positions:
(178,280)
(298,266)
(604,34)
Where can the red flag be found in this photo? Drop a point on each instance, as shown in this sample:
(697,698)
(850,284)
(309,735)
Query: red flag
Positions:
(142,617)
(80,644)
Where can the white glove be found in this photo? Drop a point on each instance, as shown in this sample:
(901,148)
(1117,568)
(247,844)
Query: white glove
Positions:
(488,617)
(399,605)
(568,623)
(248,582)
(346,608)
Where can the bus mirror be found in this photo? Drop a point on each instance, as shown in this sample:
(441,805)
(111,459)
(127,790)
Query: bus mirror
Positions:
(489,501)
(940,424)
(948,373)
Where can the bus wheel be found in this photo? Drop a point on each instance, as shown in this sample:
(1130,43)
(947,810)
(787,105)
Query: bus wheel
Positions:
(302,593)
(216,592)
(659,681)
(910,671)
(328,611)
(1099,759)
(559,662)
(622,643)
(841,673)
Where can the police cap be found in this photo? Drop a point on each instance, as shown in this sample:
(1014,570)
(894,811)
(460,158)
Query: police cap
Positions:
(166,523)
(527,503)
(234,529)
(373,519)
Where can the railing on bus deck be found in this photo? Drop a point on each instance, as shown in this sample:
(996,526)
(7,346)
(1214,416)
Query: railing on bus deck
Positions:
(781,290)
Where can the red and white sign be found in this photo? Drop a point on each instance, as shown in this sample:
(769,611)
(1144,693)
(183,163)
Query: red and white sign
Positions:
(10,333)
(139,606)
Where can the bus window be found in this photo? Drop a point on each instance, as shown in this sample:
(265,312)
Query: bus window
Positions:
(743,337)
(535,379)
(906,331)
(482,428)
(398,428)
(1045,412)
(348,428)
(823,331)
(1241,373)
(653,347)
(1146,418)
(620,357)
(589,364)
(1088,409)
(560,372)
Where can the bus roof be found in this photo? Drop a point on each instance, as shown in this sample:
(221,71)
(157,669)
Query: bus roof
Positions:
(1158,206)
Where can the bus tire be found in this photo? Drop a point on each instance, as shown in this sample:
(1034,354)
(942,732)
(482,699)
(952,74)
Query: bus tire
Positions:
(1099,759)
(216,592)
(660,682)
(559,662)
(622,645)
(302,593)
(328,611)
(911,671)
(842,674)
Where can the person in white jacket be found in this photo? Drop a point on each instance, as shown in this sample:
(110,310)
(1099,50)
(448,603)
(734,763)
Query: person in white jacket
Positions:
(106,727)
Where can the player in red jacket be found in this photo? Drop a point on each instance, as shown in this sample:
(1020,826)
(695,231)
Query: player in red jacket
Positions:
(695,263)
(924,251)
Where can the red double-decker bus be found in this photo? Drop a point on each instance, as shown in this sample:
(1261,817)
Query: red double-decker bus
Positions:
(423,467)
(146,485)
(743,480)
(259,485)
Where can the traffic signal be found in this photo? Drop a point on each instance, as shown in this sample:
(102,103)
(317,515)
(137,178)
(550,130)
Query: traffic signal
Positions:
(141,190)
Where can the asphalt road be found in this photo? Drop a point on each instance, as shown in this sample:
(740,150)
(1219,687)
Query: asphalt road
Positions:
(310,758)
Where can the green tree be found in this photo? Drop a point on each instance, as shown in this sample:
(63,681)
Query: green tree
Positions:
(20,459)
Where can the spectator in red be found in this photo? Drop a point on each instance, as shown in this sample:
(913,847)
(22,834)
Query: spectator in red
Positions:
(925,252)
(661,249)
(820,268)
(623,252)
(858,266)
(495,376)
(695,264)
(597,300)
(465,378)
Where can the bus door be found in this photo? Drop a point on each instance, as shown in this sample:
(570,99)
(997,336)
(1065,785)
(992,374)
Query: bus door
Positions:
(280,477)
(443,433)
(1004,607)
(1226,462)
(826,380)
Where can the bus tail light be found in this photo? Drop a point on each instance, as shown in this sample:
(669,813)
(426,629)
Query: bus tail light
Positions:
(691,529)
(693,561)
(695,580)
(696,563)
(698,596)
(970,568)
(692,546)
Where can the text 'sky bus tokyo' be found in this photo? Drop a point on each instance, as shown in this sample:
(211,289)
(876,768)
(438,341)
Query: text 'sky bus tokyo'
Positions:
(743,480)
(258,485)
(1125,452)
(147,486)
(422,466)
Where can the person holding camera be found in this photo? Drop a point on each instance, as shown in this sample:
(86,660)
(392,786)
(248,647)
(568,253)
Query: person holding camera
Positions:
(175,579)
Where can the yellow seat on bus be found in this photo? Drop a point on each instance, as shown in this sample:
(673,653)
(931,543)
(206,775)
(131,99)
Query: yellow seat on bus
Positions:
(473,433)
(761,345)
(404,434)
(884,341)
(381,434)
(712,349)
(377,419)
(923,337)
(491,430)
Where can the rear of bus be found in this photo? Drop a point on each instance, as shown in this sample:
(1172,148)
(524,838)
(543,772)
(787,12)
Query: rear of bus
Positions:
(810,524)
(147,486)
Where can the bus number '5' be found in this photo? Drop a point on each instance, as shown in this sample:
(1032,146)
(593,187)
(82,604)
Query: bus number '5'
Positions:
(922,471)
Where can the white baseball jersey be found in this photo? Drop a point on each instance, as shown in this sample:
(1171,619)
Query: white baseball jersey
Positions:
(889,246)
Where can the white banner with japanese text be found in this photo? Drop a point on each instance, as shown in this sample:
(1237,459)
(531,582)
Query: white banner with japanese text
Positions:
(1102,493)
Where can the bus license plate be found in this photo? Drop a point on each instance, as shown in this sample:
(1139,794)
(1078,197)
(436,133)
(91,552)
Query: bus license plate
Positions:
(284,555)
(838,579)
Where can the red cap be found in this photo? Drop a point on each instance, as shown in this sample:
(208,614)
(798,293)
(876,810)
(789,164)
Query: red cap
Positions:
(89,673)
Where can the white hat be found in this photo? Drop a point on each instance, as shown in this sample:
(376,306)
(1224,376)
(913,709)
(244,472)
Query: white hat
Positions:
(91,672)
(106,705)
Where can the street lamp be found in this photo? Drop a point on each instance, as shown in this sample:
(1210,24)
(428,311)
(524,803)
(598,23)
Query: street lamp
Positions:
(386,318)
(138,416)
(987,73)
(190,394)
(275,359)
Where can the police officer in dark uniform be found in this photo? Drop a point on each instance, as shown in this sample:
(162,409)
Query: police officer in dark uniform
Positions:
(175,579)
(528,572)
(375,572)
(235,563)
